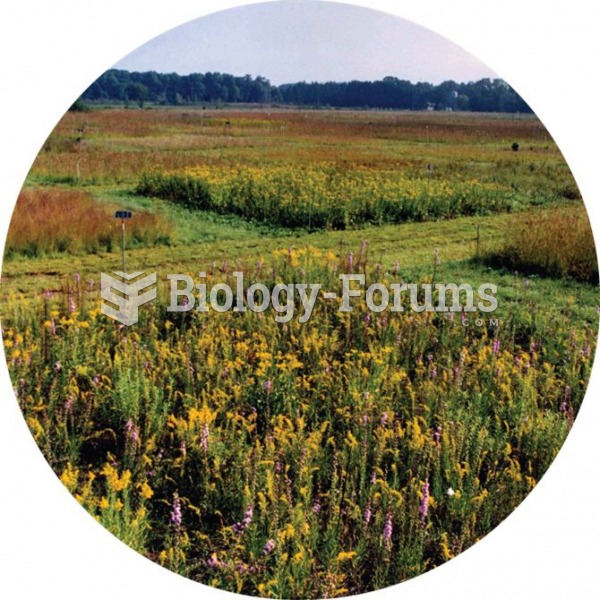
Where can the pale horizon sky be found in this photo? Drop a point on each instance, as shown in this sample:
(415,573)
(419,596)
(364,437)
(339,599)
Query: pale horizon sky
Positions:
(307,40)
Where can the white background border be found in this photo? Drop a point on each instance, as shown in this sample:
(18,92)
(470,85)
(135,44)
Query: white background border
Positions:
(50,51)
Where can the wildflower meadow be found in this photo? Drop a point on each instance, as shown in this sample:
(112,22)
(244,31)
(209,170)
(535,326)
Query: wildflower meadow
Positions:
(321,459)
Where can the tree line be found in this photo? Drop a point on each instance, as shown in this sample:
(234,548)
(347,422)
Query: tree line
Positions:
(120,86)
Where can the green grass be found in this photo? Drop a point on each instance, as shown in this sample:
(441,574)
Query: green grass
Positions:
(192,226)
(200,239)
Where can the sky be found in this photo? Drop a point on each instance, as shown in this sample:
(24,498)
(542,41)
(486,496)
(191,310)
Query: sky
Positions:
(307,40)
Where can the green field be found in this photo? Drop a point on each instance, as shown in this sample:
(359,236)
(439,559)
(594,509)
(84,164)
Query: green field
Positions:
(295,460)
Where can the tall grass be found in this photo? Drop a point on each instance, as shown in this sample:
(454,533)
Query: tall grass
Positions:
(51,220)
(555,243)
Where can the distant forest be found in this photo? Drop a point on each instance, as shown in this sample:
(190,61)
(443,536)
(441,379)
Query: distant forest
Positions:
(119,86)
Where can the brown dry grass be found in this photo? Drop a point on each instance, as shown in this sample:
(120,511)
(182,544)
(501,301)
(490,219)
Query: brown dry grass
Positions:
(49,220)
(555,243)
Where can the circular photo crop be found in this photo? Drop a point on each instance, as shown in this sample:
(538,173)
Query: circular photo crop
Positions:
(299,300)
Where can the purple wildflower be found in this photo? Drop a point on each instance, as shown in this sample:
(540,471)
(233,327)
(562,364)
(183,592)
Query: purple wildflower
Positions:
(566,408)
(132,431)
(134,434)
(388,529)
(384,419)
(77,278)
(52,327)
(367,514)
(204,438)
(456,372)
(437,434)
(350,260)
(57,367)
(423,507)
(268,386)
(367,319)
(496,346)
(69,404)
(176,512)
(269,547)
(240,527)
(316,507)
(72,307)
